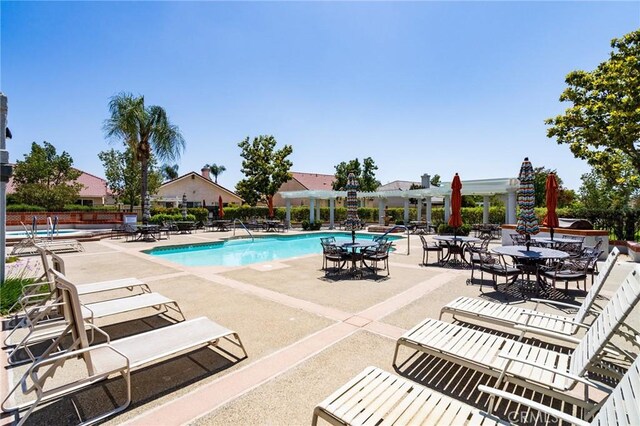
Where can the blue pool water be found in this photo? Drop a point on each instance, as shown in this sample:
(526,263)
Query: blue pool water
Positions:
(245,252)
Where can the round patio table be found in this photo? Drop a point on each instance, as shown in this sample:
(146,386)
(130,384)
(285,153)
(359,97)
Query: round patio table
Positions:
(530,260)
(455,246)
(355,256)
(553,242)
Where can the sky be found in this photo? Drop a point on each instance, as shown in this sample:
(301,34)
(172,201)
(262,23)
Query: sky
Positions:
(420,87)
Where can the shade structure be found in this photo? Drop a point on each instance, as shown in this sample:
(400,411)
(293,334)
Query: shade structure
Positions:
(353,221)
(551,218)
(455,219)
(527,221)
(220,209)
(184,206)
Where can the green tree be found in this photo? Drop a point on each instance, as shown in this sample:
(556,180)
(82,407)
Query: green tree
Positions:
(435,180)
(603,125)
(144,129)
(265,170)
(122,172)
(169,171)
(540,184)
(216,170)
(596,192)
(46,179)
(365,173)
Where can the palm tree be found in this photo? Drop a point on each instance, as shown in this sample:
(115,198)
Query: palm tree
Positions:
(216,170)
(143,129)
(169,172)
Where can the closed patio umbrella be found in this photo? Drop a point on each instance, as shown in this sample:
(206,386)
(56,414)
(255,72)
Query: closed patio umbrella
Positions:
(551,218)
(220,209)
(184,206)
(353,221)
(527,224)
(455,219)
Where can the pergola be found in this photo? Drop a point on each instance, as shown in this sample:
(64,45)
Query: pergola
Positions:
(484,187)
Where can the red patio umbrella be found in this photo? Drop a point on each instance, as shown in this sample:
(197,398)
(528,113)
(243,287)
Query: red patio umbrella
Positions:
(455,219)
(220,209)
(551,218)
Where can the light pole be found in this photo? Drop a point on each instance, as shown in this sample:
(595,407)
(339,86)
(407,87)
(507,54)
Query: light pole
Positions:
(5,173)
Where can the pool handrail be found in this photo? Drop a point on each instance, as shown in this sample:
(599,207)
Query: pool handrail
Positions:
(245,228)
(398,227)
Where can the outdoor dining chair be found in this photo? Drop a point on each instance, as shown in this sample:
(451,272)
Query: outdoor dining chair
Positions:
(381,254)
(568,270)
(430,247)
(495,265)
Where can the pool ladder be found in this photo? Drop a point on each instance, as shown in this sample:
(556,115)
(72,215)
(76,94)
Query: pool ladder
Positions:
(245,228)
(393,229)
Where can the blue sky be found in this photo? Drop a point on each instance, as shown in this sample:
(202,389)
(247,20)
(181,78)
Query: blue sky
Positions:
(421,87)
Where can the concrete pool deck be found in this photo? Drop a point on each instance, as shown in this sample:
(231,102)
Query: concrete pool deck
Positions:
(305,334)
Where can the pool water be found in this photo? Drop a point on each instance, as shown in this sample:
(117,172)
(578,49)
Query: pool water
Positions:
(245,252)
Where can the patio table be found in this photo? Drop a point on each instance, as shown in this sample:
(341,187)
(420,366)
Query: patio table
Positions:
(148,232)
(356,253)
(529,261)
(185,226)
(455,247)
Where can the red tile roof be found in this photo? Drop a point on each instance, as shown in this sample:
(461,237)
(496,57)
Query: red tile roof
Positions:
(93,186)
(314,181)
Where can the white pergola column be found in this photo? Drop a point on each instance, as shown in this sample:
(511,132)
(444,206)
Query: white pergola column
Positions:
(406,211)
(485,209)
(511,206)
(381,211)
(419,209)
(318,211)
(287,214)
(447,208)
(312,210)
(428,213)
(332,206)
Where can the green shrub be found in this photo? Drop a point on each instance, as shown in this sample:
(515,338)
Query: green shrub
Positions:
(311,226)
(17,276)
(24,208)
(158,219)
(446,229)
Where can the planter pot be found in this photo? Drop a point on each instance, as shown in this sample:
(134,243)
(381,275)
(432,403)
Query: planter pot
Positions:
(633,250)
(621,245)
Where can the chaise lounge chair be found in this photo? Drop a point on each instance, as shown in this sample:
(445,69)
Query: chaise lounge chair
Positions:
(544,370)
(531,320)
(36,296)
(114,357)
(377,397)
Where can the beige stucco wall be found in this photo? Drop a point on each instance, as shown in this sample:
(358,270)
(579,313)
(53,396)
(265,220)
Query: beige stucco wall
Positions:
(197,190)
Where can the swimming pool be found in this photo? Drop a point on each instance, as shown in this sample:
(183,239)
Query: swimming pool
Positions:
(245,252)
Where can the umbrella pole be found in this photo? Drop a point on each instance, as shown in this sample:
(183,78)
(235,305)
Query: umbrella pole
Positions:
(528,241)
(551,232)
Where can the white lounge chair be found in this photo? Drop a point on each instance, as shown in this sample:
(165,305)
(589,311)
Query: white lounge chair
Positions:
(34,294)
(114,357)
(37,332)
(39,311)
(531,320)
(377,397)
(544,370)
(30,246)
